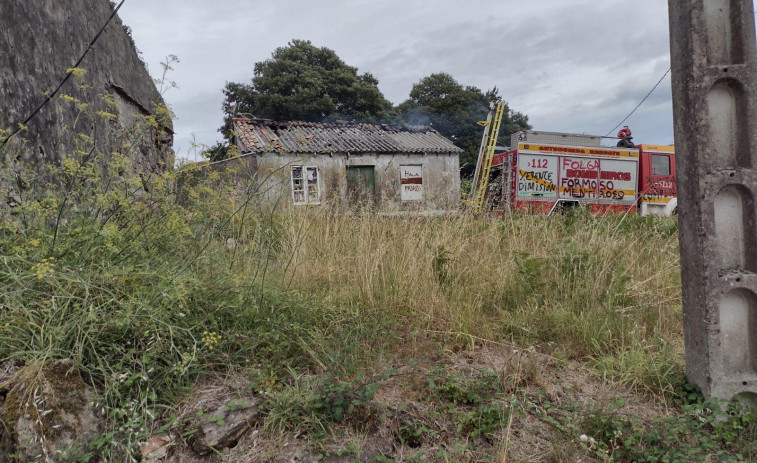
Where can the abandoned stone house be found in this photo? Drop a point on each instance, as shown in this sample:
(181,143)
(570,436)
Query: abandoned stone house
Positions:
(392,169)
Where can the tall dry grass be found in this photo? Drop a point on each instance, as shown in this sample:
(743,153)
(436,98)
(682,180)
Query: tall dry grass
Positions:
(605,289)
(149,286)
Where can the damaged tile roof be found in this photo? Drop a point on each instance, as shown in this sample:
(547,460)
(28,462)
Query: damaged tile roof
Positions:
(263,135)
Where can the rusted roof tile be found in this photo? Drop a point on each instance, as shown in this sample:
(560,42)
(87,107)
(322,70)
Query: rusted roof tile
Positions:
(262,135)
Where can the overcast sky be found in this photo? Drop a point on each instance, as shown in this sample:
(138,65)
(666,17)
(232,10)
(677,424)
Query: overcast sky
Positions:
(572,66)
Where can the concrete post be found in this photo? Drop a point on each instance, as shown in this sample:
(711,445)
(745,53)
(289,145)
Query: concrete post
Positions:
(714,62)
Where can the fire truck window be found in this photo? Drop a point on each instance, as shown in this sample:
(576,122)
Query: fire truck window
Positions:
(660,164)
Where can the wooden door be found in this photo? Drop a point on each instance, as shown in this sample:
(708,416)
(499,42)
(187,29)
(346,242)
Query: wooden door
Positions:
(361,184)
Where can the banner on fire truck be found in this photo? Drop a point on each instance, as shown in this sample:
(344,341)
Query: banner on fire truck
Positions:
(547,172)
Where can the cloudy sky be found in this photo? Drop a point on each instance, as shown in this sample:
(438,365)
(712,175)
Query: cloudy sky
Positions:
(573,66)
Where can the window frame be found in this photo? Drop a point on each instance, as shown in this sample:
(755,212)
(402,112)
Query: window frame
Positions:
(654,168)
(305,190)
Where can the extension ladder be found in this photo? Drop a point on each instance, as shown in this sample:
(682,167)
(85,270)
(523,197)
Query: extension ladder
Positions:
(485,156)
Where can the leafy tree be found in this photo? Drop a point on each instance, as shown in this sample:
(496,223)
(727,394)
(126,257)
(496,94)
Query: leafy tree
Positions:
(217,152)
(454,110)
(303,82)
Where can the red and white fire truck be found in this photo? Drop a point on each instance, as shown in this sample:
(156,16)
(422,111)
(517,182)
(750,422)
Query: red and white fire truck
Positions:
(546,171)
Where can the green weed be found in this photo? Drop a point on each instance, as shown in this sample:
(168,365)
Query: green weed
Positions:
(699,431)
(462,390)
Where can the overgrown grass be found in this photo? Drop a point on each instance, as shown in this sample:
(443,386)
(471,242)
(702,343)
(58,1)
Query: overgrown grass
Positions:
(605,289)
(149,285)
(150,282)
(146,292)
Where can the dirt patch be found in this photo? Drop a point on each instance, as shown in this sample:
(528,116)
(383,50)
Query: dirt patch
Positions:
(493,403)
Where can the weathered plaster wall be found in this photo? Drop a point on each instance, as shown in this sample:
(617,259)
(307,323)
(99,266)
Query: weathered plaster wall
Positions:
(39,41)
(441,178)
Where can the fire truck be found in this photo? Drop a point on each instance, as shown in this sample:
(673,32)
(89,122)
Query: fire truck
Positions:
(544,172)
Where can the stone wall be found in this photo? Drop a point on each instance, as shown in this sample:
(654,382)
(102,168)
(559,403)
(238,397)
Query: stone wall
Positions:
(40,40)
(440,173)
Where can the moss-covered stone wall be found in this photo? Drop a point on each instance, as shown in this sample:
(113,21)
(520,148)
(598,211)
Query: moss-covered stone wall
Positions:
(39,41)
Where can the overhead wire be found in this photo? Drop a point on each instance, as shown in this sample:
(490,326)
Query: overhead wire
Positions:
(50,96)
(641,103)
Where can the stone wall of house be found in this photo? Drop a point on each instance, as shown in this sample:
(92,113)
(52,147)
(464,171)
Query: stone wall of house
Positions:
(272,172)
(40,40)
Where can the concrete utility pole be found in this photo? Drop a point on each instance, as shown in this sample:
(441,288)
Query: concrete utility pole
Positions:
(714,62)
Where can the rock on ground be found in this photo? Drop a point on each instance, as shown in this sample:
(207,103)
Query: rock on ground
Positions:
(47,414)
(223,427)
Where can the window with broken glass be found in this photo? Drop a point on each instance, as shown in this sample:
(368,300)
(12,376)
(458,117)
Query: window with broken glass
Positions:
(305,186)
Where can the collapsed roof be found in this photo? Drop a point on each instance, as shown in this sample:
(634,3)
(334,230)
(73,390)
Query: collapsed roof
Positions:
(256,136)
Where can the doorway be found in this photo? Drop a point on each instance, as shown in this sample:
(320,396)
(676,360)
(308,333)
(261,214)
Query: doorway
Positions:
(361,185)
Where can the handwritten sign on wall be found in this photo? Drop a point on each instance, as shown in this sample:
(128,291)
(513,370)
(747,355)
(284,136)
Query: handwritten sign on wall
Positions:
(411,183)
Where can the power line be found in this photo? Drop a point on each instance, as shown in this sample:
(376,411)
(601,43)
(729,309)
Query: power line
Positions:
(65,79)
(641,103)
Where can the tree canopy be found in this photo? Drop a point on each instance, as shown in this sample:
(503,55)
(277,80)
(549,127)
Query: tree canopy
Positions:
(307,83)
(454,110)
(303,82)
